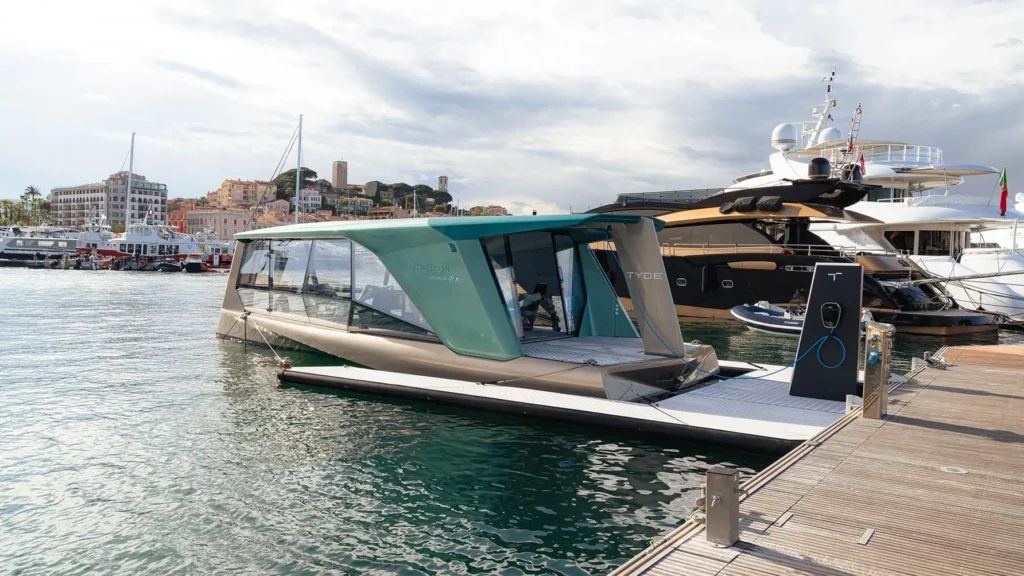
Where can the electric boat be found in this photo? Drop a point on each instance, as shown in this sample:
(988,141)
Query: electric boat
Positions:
(513,301)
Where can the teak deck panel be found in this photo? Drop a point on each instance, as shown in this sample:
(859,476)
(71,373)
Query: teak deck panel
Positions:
(808,513)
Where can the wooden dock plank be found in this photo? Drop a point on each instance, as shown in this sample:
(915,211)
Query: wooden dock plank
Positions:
(887,497)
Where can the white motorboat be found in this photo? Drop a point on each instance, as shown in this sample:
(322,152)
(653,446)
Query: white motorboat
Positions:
(154,241)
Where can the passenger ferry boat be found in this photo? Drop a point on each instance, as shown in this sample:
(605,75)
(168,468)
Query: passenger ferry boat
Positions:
(518,301)
(152,241)
(38,243)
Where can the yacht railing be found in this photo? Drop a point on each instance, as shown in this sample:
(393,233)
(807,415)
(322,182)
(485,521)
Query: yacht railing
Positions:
(886,154)
(683,249)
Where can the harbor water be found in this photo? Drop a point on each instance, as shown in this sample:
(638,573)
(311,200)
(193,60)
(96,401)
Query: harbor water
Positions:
(133,441)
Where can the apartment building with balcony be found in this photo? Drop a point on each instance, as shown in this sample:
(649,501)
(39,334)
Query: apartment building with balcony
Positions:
(107,201)
(244,193)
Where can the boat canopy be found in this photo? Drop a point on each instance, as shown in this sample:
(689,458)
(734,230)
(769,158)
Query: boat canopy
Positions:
(458,274)
(584,226)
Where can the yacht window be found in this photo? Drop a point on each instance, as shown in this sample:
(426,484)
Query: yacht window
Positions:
(879,194)
(726,234)
(933,243)
(901,240)
(375,288)
(328,284)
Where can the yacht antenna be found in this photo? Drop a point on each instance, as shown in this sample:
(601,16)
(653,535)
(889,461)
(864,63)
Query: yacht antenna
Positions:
(131,167)
(298,172)
(824,114)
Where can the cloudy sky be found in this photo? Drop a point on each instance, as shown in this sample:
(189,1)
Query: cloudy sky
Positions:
(545,105)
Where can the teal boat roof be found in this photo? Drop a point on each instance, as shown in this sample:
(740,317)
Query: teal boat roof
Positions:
(461,228)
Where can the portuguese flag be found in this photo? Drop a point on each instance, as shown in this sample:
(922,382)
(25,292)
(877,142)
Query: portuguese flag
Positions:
(1003,194)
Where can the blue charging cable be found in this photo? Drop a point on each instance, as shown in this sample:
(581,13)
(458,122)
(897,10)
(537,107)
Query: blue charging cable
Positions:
(817,346)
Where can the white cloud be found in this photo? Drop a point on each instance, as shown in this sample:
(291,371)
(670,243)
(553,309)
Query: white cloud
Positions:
(534,104)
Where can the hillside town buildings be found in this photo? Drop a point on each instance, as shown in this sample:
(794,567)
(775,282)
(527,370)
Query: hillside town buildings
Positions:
(237,204)
(244,193)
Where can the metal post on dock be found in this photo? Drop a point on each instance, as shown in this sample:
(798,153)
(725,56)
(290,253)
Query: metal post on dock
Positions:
(877,352)
(722,505)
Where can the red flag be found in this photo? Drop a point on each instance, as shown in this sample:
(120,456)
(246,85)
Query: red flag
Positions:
(862,168)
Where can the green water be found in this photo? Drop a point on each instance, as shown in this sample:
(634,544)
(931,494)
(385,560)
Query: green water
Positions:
(133,441)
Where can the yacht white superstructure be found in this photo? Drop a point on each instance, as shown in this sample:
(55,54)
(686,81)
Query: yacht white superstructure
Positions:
(959,237)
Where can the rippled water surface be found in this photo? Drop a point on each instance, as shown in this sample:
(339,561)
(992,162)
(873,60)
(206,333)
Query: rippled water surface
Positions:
(133,441)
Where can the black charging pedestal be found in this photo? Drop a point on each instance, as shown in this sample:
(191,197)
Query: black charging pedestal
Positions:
(833,307)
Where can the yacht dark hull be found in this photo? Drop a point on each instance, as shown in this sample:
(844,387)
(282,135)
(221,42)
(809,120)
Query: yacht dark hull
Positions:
(710,285)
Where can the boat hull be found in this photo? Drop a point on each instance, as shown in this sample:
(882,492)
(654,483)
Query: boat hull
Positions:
(709,286)
(412,354)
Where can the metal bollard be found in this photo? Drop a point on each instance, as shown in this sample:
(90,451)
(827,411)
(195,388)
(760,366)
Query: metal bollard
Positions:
(877,353)
(722,506)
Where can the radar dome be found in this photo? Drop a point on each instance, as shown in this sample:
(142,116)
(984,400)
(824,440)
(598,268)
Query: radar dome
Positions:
(830,134)
(784,137)
(819,168)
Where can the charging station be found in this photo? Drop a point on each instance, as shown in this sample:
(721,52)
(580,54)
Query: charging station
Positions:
(828,369)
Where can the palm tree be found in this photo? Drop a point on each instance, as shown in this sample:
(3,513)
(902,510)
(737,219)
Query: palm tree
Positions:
(6,211)
(29,199)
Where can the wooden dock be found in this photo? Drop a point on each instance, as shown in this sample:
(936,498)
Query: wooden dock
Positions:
(936,487)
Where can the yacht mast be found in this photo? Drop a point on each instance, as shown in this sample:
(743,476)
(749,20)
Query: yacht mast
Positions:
(131,168)
(823,115)
(298,172)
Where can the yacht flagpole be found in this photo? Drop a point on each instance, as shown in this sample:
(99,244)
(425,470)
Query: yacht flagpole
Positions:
(994,186)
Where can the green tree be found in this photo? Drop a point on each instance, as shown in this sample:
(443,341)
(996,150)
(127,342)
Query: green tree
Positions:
(401,189)
(31,203)
(423,190)
(117,228)
(10,212)
(377,197)
(442,197)
(285,182)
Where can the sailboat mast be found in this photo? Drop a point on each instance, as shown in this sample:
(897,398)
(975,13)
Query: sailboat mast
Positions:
(298,172)
(131,168)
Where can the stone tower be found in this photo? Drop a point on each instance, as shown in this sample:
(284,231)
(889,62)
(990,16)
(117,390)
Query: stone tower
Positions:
(339,175)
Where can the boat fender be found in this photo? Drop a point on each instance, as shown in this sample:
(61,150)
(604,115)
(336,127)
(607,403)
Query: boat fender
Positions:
(725,208)
(770,204)
(745,204)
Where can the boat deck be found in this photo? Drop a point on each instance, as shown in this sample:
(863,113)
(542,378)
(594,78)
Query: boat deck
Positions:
(755,412)
(935,488)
